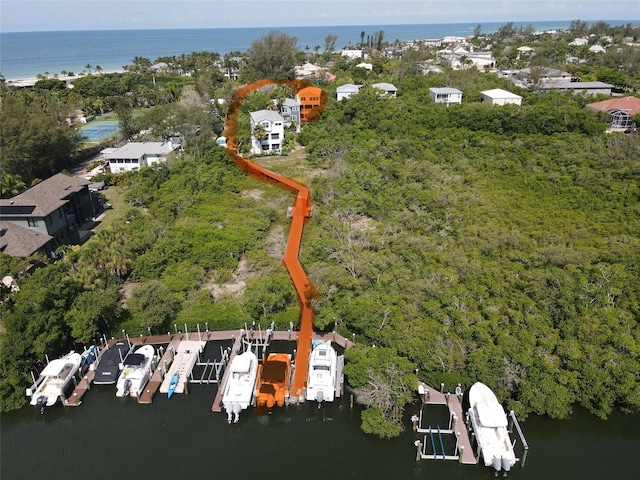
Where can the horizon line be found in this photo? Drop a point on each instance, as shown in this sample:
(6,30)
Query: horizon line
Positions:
(531,22)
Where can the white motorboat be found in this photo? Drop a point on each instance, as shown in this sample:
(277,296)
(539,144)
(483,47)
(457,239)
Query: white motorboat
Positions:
(489,422)
(136,372)
(323,368)
(240,386)
(54,380)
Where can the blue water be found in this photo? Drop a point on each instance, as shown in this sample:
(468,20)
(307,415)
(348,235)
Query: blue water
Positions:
(28,54)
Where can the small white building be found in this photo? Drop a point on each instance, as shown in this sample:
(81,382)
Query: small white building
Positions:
(446,95)
(273,125)
(351,54)
(346,90)
(386,88)
(135,155)
(497,96)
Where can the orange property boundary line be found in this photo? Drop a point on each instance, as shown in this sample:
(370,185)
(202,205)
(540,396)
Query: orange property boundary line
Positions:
(301,211)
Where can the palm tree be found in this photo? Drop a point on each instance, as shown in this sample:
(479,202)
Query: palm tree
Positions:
(362,39)
(11,184)
(88,67)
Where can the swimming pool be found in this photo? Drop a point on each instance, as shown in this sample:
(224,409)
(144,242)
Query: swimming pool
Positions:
(98,131)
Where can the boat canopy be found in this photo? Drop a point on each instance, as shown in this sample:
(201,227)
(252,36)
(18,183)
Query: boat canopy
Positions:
(491,415)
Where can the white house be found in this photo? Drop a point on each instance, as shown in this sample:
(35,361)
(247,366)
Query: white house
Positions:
(351,54)
(346,90)
(497,96)
(446,95)
(273,125)
(387,88)
(460,58)
(135,155)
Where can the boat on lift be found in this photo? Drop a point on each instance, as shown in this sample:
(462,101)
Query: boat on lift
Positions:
(241,383)
(323,368)
(111,362)
(136,372)
(489,422)
(54,380)
(273,387)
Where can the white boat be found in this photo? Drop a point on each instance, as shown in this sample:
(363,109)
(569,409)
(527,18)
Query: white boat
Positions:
(54,380)
(136,372)
(323,368)
(489,422)
(241,382)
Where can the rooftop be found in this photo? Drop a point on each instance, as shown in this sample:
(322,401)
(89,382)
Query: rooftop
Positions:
(43,198)
(630,105)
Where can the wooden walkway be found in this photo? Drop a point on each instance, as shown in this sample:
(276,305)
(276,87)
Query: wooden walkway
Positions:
(451,400)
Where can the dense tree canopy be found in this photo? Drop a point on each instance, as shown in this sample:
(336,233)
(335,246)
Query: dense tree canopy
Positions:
(271,56)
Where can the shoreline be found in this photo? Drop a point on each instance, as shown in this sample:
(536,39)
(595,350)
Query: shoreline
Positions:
(31,81)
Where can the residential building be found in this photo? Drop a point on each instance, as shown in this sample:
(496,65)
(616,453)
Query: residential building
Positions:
(345,91)
(135,155)
(290,111)
(387,88)
(590,88)
(497,96)
(446,95)
(310,100)
(273,125)
(56,211)
(620,111)
(459,58)
(351,54)
(543,75)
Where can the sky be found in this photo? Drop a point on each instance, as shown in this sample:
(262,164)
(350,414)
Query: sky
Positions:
(63,15)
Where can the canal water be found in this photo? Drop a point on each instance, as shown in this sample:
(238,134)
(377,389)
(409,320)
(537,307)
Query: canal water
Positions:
(108,437)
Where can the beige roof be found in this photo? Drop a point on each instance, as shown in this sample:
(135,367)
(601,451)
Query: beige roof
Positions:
(45,197)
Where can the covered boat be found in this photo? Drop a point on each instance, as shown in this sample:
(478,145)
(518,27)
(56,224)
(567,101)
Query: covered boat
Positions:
(323,367)
(489,422)
(111,362)
(241,382)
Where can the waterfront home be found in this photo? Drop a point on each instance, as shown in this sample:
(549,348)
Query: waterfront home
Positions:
(497,96)
(135,155)
(445,95)
(272,124)
(47,215)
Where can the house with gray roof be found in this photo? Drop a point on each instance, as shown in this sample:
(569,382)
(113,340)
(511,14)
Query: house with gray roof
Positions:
(135,155)
(273,125)
(386,88)
(445,95)
(590,88)
(290,111)
(347,90)
(54,212)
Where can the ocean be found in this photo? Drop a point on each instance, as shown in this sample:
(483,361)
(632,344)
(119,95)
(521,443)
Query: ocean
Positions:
(29,54)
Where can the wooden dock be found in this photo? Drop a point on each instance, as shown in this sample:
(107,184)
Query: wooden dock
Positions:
(432,396)
(217,401)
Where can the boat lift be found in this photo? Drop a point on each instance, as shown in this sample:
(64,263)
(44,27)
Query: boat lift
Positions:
(211,367)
